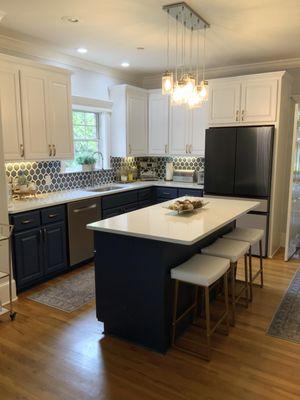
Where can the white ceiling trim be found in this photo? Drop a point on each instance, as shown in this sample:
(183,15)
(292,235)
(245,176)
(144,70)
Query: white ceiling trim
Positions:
(91,104)
(46,53)
(152,81)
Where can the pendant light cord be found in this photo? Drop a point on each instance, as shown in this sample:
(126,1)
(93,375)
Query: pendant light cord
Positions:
(204,54)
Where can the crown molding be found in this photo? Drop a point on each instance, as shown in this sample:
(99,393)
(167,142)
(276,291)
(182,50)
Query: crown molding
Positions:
(14,44)
(152,81)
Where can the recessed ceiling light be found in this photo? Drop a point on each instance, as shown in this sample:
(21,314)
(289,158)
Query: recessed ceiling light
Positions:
(82,50)
(68,18)
(125,64)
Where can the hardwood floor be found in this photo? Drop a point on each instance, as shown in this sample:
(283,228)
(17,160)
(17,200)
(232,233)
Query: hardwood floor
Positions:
(48,354)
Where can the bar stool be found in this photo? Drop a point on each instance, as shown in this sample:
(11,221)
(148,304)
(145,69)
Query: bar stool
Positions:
(201,271)
(252,236)
(232,250)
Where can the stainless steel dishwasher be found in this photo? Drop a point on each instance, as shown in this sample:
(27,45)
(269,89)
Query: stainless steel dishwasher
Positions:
(81,240)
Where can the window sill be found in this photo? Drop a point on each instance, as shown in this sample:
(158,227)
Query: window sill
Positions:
(79,171)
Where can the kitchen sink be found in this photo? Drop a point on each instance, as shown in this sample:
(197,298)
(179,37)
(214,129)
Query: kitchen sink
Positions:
(105,189)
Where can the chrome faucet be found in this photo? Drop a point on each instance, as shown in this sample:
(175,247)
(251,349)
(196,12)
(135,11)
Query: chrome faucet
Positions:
(93,171)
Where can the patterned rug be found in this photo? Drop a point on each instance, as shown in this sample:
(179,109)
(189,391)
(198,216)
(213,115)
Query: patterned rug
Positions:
(286,321)
(70,294)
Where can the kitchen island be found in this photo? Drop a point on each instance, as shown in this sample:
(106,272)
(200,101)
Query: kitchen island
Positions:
(134,255)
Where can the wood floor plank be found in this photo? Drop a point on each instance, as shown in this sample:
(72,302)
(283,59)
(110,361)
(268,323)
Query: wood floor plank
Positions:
(47,354)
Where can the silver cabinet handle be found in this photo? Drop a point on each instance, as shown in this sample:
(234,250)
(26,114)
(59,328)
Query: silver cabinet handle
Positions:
(129,147)
(77,210)
(50,150)
(27,221)
(191,149)
(186,148)
(54,150)
(166,149)
(52,215)
(243,115)
(237,115)
(21,150)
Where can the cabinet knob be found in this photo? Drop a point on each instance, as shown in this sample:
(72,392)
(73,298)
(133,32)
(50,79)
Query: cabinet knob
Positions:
(237,114)
(21,150)
(50,150)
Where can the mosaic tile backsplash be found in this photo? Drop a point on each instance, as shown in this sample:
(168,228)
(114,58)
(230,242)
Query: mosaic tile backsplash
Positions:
(37,171)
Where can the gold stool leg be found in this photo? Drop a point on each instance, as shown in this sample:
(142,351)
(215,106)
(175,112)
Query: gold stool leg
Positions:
(232,273)
(261,265)
(250,274)
(174,312)
(246,279)
(226,298)
(207,319)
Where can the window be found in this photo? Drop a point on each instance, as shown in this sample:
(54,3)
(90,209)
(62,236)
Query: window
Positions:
(90,130)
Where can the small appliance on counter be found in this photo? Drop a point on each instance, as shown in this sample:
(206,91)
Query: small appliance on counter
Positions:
(183,175)
(200,177)
(169,171)
(148,171)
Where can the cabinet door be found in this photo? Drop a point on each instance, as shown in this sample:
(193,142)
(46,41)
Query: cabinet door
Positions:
(60,116)
(28,257)
(158,123)
(179,130)
(137,137)
(34,101)
(224,102)
(11,112)
(198,126)
(55,252)
(259,100)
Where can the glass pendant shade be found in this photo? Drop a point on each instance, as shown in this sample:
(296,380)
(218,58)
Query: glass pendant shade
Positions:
(194,100)
(203,90)
(167,83)
(178,94)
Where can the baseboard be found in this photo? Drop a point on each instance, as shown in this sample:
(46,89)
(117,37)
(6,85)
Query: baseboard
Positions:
(4,291)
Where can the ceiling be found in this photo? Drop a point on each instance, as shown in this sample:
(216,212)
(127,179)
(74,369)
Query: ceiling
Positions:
(241,32)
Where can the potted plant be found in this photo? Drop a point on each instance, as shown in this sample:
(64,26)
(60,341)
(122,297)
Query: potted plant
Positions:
(87,162)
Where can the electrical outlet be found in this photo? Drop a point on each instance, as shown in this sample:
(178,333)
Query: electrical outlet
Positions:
(48,180)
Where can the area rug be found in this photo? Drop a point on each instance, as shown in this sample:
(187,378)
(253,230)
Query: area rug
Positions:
(286,321)
(70,294)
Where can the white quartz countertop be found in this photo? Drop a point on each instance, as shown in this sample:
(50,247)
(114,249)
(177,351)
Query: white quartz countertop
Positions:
(158,223)
(67,196)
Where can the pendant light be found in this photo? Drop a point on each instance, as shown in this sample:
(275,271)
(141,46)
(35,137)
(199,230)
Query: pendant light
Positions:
(184,85)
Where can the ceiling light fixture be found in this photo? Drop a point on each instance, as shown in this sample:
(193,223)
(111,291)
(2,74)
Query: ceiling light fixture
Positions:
(125,64)
(72,20)
(82,50)
(184,84)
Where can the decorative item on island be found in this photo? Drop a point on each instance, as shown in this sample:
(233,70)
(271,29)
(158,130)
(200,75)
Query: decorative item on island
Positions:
(187,204)
(184,84)
(87,162)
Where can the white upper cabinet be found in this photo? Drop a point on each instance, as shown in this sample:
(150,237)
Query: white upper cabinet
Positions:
(60,115)
(179,130)
(36,124)
(198,126)
(11,112)
(158,124)
(129,121)
(259,100)
(224,101)
(251,99)
(36,111)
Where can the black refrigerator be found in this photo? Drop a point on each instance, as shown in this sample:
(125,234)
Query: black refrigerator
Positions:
(238,163)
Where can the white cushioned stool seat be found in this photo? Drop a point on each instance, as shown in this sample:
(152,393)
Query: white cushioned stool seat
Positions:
(230,249)
(249,235)
(201,270)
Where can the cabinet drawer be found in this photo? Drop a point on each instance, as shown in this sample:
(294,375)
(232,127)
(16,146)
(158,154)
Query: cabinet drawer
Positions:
(145,194)
(53,214)
(160,200)
(119,199)
(190,192)
(26,220)
(167,193)
(145,203)
(112,212)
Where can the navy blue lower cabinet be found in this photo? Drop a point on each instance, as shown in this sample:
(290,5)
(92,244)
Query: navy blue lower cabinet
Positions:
(190,192)
(28,257)
(55,248)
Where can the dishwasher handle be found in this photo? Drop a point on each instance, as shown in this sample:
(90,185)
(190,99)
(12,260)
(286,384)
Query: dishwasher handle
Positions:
(81,209)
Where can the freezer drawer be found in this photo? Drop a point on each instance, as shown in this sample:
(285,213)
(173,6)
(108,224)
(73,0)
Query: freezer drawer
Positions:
(258,221)
(81,240)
